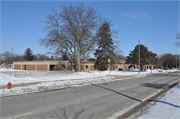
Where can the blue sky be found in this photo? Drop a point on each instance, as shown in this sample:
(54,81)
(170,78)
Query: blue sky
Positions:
(22,24)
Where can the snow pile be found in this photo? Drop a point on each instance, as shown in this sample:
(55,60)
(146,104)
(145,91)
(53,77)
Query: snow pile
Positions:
(54,85)
(5,69)
(131,72)
(166,106)
(4,79)
(58,82)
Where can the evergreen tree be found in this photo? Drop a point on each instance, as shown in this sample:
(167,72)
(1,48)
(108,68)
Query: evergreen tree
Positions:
(146,57)
(52,58)
(152,58)
(105,49)
(28,55)
(64,55)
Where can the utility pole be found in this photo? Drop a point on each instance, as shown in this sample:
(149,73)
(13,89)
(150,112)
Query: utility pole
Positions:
(176,62)
(139,54)
(179,53)
(109,60)
(139,51)
(12,54)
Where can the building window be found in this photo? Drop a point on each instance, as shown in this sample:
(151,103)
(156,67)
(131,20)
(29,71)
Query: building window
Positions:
(87,67)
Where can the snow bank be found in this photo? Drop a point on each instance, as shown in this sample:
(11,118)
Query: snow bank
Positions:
(4,79)
(166,106)
(6,69)
(54,85)
(58,82)
(133,72)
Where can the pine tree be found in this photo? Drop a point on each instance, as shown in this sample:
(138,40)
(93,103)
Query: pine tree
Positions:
(52,58)
(64,55)
(28,55)
(105,49)
(146,56)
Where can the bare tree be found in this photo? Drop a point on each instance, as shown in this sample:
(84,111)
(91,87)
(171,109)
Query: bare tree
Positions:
(167,61)
(119,54)
(1,55)
(41,57)
(73,29)
(7,57)
(18,57)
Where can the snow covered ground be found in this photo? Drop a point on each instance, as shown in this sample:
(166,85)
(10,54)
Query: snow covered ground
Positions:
(5,69)
(4,79)
(166,106)
(20,80)
(58,82)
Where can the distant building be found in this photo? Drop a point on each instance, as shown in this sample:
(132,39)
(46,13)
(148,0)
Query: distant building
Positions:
(42,65)
(9,65)
(66,65)
(86,65)
(3,65)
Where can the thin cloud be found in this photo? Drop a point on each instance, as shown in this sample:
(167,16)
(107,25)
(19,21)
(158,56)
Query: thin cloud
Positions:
(136,14)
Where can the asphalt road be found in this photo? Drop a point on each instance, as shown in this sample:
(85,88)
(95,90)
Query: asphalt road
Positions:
(93,101)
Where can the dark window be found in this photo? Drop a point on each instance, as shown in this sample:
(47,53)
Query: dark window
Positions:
(87,67)
(51,67)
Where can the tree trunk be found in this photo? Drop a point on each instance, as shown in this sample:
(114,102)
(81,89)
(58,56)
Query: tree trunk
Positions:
(79,65)
(78,60)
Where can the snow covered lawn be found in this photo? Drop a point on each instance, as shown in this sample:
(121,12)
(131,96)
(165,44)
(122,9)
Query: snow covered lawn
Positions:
(4,79)
(166,106)
(58,82)
(20,80)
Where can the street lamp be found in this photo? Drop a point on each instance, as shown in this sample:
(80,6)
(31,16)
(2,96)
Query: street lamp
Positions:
(139,51)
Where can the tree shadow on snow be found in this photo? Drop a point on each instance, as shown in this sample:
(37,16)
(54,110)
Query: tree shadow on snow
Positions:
(165,103)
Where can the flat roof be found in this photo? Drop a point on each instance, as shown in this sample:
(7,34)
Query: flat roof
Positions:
(60,61)
(42,61)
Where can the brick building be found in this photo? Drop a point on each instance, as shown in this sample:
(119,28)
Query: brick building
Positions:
(86,64)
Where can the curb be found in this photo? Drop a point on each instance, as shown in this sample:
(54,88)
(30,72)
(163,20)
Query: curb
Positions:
(135,107)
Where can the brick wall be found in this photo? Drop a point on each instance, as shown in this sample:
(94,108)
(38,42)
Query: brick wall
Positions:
(82,67)
(30,67)
(41,67)
(22,67)
(92,67)
(69,67)
(59,67)
(112,68)
(17,67)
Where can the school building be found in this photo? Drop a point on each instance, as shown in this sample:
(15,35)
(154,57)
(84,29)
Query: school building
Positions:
(86,64)
(66,65)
